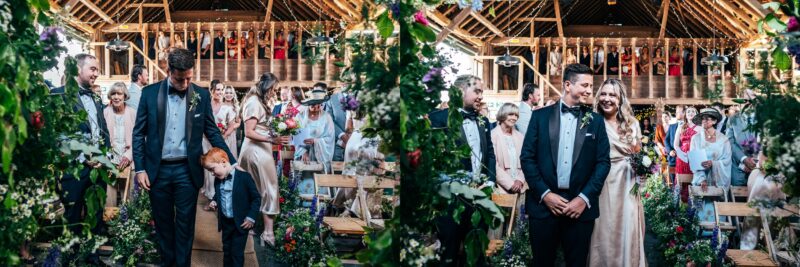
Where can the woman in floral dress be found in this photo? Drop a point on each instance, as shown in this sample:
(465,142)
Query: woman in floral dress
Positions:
(684,142)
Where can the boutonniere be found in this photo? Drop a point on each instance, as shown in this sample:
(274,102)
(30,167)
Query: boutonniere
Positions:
(587,118)
(481,122)
(193,102)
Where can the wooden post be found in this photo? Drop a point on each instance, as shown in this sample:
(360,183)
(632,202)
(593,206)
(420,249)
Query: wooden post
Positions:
(619,59)
(327,67)
(239,50)
(591,53)
(130,60)
(256,44)
(199,43)
(633,68)
(695,80)
(666,75)
(299,51)
(709,72)
(549,50)
(605,59)
(213,54)
(225,31)
(563,55)
(650,52)
(535,58)
(722,70)
(681,79)
(271,44)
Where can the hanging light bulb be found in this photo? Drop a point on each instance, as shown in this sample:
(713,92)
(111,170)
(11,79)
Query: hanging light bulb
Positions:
(714,58)
(118,44)
(321,40)
(506,60)
(612,2)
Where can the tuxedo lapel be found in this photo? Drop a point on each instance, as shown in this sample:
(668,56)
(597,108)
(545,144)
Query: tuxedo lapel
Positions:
(161,106)
(555,128)
(482,134)
(190,112)
(580,136)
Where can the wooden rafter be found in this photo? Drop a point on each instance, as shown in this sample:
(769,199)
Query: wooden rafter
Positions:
(268,16)
(483,20)
(166,12)
(557,8)
(664,13)
(56,8)
(513,12)
(449,26)
(70,5)
(714,18)
(97,10)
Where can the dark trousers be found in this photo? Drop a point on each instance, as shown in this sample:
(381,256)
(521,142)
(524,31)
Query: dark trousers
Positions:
(233,243)
(174,202)
(73,193)
(452,235)
(571,235)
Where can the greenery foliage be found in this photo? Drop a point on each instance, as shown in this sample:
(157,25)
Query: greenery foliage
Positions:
(133,232)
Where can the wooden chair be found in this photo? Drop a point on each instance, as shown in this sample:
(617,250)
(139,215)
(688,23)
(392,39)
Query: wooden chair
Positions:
(503,201)
(345,225)
(713,191)
(337,166)
(739,192)
(751,257)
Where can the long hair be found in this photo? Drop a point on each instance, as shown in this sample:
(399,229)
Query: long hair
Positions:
(263,90)
(234,102)
(626,120)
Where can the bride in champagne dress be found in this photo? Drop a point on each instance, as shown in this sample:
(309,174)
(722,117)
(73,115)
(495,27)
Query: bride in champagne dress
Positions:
(618,236)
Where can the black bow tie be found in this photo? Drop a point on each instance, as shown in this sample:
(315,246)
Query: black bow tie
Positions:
(576,110)
(173,91)
(469,115)
(86,92)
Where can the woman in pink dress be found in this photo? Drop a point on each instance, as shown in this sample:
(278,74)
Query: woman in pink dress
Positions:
(682,169)
(280,46)
(674,63)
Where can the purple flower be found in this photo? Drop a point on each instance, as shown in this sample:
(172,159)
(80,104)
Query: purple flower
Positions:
(792,25)
(313,208)
(723,249)
(320,216)
(751,146)
(433,73)
(508,249)
(714,237)
(53,254)
(350,102)
(123,213)
(395,10)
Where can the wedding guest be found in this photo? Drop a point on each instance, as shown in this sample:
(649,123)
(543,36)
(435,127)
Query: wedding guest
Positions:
(507,147)
(529,103)
(739,135)
(659,67)
(296,105)
(219,46)
(72,189)
(279,45)
(139,79)
(285,97)
(717,168)
(191,43)
(359,148)
(687,66)
(555,61)
(238,201)
(225,118)
(318,127)
(452,232)
(163,45)
(627,61)
(683,142)
(675,63)
(585,56)
(762,187)
(334,108)
(205,46)
(669,141)
(233,44)
(644,63)
(177,41)
(599,56)
(618,236)
(660,140)
(613,61)
(256,155)
(120,119)
(570,57)
(722,125)
(647,128)
(162,149)
(263,43)
(249,45)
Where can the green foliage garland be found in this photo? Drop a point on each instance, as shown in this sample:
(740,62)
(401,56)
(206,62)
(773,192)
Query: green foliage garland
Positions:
(133,232)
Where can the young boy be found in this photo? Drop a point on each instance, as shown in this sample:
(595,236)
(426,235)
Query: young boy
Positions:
(237,201)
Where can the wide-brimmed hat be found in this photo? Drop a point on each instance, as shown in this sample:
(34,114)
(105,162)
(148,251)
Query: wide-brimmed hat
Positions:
(706,112)
(315,97)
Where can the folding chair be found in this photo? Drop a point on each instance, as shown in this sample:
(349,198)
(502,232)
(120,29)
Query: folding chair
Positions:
(713,191)
(503,201)
(747,257)
(345,225)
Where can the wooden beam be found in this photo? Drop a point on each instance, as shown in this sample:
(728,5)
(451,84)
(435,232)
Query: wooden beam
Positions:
(557,8)
(483,20)
(145,5)
(71,20)
(166,12)
(538,19)
(268,16)
(665,12)
(97,10)
(713,18)
(450,25)
(70,5)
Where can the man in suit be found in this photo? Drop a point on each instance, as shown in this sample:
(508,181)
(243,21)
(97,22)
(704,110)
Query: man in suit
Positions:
(669,140)
(172,117)
(72,189)
(334,107)
(565,159)
(219,46)
(474,133)
(237,202)
(530,99)
(738,132)
(613,61)
(139,79)
(285,96)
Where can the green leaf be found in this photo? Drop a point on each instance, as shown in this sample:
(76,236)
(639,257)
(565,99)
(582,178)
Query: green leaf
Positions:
(428,51)
(422,33)
(385,24)
(476,218)
(475,245)
(491,11)
(339,64)
(775,6)
(781,60)
(93,175)
(775,23)
(457,212)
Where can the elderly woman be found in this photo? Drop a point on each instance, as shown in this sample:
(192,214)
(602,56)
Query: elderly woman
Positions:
(120,120)
(716,168)
(508,146)
(318,142)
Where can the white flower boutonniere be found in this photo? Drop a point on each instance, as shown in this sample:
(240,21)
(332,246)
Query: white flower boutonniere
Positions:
(194,101)
(587,118)
(480,121)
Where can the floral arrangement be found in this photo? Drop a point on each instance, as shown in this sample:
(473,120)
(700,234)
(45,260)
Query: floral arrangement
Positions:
(31,202)
(416,253)
(751,146)
(222,127)
(366,159)
(73,251)
(350,103)
(645,164)
(133,232)
(517,250)
(285,125)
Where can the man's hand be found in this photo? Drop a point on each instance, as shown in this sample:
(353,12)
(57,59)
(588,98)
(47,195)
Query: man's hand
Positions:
(750,163)
(247,224)
(124,163)
(143,180)
(575,208)
(555,203)
(672,153)
(706,164)
(517,187)
(345,138)
(704,186)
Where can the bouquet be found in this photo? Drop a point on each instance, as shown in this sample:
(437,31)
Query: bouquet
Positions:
(285,125)
(644,164)
(221,127)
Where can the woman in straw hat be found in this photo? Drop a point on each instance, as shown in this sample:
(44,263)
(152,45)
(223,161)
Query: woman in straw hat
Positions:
(318,131)
(716,169)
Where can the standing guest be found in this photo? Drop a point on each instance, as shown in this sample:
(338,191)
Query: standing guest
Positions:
(191,43)
(177,41)
(205,46)
(507,147)
(279,45)
(739,133)
(120,121)
(570,56)
(225,119)
(555,61)
(139,79)
(613,61)
(618,236)
(173,116)
(683,142)
(262,45)
(660,139)
(256,155)
(586,56)
(659,67)
(722,125)
(762,187)
(669,141)
(675,63)
(72,189)
(644,64)
(163,45)
(319,127)
(565,177)
(481,161)
(627,61)
(249,44)
(599,56)
(688,59)
(285,97)
(334,108)
(717,168)
(230,100)
(233,44)
(647,128)
(219,46)
(238,200)
(530,102)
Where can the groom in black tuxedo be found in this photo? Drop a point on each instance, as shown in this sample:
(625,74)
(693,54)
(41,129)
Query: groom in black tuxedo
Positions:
(565,161)
(476,134)
(172,117)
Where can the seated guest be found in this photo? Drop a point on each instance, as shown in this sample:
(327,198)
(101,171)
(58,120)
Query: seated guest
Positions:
(238,202)
(717,166)
(318,127)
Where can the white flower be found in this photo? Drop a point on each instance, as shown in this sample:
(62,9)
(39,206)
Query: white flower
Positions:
(414,243)
(646,161)
(282,126)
